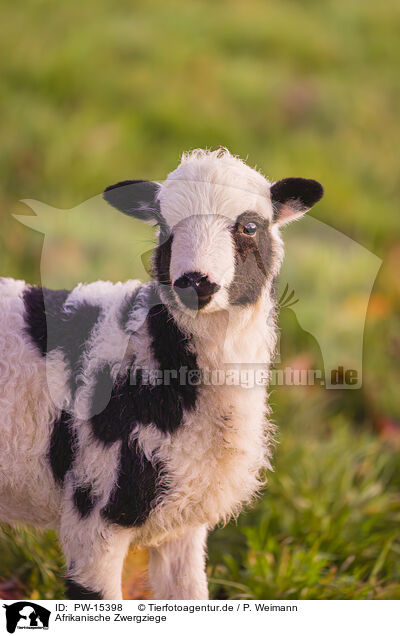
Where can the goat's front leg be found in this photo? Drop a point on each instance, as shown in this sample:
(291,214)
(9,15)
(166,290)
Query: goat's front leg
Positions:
(95,557)
(177,567)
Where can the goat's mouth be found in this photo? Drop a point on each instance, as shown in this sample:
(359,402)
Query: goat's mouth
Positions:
(195,290)
(192,301)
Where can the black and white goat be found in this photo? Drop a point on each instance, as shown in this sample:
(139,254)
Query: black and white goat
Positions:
(88,445)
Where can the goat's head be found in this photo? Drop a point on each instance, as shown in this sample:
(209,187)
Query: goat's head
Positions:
(219,243)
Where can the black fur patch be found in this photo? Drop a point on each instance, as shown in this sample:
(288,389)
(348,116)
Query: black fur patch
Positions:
(51,325)
(134,401)
(76,592)
(113,407)
(43,311)
(161,265)
(84,500)
(253,256)
(171,349)
(62,447)
(136,489)
(75,329)
(163,259)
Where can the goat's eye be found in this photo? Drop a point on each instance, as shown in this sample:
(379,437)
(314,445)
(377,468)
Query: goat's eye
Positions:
(250,228)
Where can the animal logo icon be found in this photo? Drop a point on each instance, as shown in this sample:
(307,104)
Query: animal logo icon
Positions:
(329,301)
(26,615)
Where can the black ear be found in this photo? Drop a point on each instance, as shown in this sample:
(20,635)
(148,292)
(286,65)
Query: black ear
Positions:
(135,198)
(292,197)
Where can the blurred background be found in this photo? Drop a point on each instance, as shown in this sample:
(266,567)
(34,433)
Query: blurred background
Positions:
(100,91)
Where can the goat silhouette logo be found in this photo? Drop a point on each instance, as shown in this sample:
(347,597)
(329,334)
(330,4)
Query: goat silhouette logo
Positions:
(331,306)
(26,615)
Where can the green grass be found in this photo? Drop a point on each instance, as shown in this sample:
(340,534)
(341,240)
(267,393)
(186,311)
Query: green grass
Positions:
(327,527)
(104,90)
(32,561)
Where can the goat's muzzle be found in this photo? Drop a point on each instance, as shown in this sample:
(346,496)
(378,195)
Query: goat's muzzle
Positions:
(195,290)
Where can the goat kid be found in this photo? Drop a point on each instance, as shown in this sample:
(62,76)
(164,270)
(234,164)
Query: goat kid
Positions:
(88,445)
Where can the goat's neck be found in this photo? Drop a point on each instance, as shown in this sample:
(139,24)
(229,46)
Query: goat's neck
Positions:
(240,336)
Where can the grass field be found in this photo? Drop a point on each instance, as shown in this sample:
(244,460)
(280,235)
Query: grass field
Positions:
(96,92)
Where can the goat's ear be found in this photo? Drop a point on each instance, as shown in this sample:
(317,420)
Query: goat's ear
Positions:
(292,197)
(135,198)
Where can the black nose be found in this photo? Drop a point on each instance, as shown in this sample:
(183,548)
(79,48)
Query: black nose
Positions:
(195,290)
